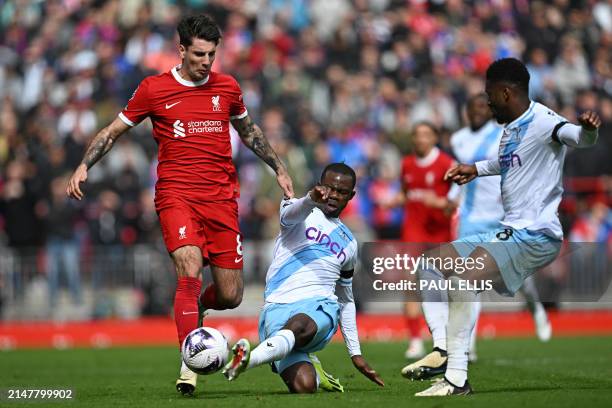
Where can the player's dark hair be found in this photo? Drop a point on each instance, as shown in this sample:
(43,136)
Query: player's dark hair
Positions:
(511,71)
(340,168)
(429,125)
(200,26)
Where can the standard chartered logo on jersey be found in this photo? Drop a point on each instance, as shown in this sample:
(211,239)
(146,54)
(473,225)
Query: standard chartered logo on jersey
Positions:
(195,127)
(179,128)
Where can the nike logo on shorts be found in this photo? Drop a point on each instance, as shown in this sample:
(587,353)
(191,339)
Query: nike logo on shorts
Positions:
(188,313)
(172,104)
(238,259)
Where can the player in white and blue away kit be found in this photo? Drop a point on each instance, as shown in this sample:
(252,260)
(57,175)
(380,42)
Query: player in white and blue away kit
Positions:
(308,288)
(530,162)
(480,210)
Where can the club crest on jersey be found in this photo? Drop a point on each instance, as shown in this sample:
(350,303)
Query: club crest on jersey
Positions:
(514,135)
(216,105)
(430,178)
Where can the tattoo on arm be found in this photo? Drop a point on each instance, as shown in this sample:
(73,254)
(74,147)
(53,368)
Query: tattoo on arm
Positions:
(99,146)
(254,139)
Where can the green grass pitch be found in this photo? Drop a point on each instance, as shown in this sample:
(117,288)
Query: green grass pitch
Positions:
(567,372)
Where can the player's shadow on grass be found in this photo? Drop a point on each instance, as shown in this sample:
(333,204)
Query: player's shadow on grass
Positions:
(224,394)
(504,390)
(241,393)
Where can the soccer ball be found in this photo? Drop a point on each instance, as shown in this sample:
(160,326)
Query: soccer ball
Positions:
(205,350)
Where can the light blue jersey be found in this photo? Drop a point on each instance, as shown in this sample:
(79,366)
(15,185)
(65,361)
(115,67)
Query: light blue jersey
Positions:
(309,257)
(530,162)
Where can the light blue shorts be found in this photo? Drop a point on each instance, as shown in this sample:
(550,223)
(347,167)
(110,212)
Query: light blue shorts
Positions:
(472,228)
(518,253)
(325,313)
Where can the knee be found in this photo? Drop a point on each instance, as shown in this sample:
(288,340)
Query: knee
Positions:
(303,384)
(186,269)
(188,262)
(304,329)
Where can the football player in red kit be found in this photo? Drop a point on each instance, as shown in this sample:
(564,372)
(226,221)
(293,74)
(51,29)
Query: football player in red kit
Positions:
(423,183)
(191,108)
(423,188)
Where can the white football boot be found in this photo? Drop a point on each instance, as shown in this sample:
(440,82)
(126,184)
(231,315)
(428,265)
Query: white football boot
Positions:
(187,380)
(444,388)
(433,364)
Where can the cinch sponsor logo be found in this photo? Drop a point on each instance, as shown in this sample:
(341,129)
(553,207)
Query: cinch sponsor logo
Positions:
(320,238)
(508,160)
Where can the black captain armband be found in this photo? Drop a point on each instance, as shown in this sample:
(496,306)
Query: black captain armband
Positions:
(555,132)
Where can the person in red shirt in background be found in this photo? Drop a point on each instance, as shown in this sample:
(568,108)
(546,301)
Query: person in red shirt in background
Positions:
(191,108)
(423,188)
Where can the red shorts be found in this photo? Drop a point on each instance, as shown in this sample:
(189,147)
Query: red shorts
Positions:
(212,226)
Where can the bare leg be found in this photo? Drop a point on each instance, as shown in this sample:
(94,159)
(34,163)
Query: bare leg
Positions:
(187,261)
(301,378)
(226,290)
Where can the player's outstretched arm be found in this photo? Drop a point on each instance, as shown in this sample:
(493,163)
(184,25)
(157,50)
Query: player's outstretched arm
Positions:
(98,147)
(584,135)
(296,211)
(348,326)
(364,368)
(461,173)
(319,194)
(589,120)
(254,139)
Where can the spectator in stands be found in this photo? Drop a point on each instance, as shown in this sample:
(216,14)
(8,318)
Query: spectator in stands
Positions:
(62,246)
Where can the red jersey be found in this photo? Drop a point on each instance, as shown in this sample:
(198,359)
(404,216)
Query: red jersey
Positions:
(191,127)
(419,177)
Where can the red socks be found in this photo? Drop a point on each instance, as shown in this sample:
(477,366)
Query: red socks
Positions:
(186,306)
(413,327)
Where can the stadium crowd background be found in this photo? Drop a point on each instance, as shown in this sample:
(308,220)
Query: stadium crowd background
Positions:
(327,80)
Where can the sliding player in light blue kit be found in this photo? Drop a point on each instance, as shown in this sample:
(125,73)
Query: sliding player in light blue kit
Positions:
(308,289)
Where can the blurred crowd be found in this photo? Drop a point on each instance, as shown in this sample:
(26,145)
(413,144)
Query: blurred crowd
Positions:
(327,80)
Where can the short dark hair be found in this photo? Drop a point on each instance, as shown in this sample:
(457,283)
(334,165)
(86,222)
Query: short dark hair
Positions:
(200,26)
(340,168)
(509,70)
